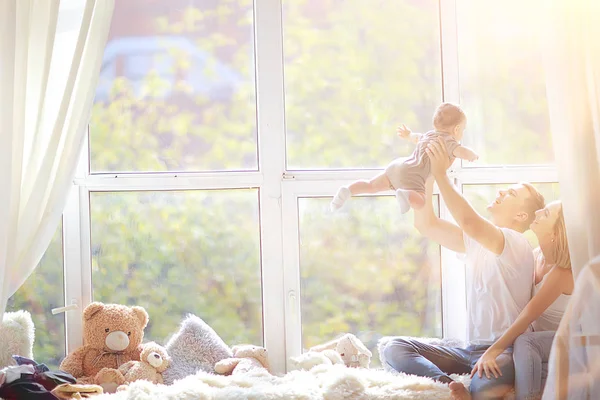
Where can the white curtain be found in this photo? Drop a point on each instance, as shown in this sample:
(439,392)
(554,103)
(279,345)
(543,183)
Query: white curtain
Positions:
(50,57)
(574,361)
(572,63)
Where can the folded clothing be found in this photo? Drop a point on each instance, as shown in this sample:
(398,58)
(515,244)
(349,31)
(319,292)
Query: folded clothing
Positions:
(69,391)
(12,373)
(30,380)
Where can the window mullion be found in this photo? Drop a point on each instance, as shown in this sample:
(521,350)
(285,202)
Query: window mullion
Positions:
(454,301)
(76,250)
(500,174)
(454,305)
(71,257)
(170,181)
(291,265)
(271,156)
(449,51)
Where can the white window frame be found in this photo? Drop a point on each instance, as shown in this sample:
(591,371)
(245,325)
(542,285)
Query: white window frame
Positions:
(279,191)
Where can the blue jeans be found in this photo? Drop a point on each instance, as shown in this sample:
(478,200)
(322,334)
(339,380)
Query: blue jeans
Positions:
(437,362)
(531,354)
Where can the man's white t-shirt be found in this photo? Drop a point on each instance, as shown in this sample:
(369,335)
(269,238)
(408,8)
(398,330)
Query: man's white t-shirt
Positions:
(498,286)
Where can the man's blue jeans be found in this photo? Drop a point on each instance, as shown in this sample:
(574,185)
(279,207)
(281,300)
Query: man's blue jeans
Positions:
(437,362)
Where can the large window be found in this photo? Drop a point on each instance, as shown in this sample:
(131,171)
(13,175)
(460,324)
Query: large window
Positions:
(221,129)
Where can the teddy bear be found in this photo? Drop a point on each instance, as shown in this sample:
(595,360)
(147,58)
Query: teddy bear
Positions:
(353,352)
(245,358)
(113,335)
(311,359)
(154,360)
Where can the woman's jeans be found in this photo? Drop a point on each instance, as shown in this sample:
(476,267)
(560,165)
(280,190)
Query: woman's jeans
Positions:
(531,353)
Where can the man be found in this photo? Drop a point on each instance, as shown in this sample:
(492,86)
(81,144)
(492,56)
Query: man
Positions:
(499,279)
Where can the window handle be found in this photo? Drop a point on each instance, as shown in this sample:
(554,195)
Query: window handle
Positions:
(70,307)
(292,303)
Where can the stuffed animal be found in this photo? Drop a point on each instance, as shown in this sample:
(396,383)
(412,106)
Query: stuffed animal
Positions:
(195,347)
(154,360)
(313,358)
(351,349)
(17,334)
(245,358)
(112,336)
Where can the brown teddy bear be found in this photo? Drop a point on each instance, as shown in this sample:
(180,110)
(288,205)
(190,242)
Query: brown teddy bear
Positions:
(246,357)
(113,335)
(154,360)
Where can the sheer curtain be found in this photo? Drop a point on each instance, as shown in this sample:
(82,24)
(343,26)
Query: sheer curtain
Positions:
(50,58)
(572,62)
(574,370)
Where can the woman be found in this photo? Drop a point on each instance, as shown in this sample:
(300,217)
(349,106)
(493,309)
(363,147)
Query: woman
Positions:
(553,286)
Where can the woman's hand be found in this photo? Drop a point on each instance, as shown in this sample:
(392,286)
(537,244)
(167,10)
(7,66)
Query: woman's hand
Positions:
(487,364)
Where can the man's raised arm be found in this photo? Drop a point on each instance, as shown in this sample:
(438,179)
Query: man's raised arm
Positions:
(473,224)
(430,225)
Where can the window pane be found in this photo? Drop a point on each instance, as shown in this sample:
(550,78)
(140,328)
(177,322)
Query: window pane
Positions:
(353,72)
(481,195)
(176,88)
(366,271)
(502,86)
(43,291)
(181,252)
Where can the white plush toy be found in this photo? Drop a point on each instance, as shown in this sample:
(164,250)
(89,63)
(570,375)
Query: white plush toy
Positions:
(313,358)
(353,352)
(17,334)
(246,358)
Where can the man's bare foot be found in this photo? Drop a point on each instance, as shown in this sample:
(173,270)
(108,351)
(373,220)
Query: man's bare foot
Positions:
(459,392)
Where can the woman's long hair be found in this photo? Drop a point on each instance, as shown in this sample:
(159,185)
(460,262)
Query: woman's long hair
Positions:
(562,258)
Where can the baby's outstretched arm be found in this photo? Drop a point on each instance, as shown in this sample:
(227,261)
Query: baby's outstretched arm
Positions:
(465,153)
(406,133)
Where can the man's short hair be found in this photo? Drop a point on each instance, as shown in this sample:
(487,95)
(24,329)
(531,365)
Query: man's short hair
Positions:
(535,201)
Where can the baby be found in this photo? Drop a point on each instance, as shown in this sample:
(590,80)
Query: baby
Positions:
(407,176)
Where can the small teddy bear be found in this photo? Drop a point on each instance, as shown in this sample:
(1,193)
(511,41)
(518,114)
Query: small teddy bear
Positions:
(154,360)
(246,358)
(351,349)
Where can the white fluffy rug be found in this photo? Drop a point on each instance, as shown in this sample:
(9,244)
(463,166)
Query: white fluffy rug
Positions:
(333,382)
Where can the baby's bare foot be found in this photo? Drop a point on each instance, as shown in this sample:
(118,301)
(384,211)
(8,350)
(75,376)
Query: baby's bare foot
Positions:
(340,198)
